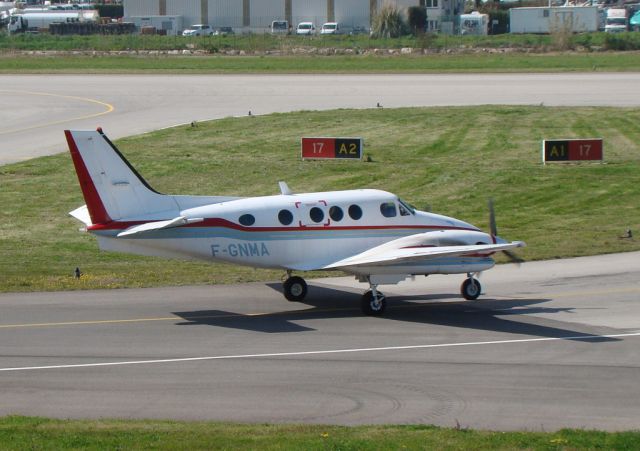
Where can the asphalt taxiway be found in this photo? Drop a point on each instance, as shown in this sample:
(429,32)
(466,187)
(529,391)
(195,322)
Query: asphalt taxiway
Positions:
(34,109)
(550,345)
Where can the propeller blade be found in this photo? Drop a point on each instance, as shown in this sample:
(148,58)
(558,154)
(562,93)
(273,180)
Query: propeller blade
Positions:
(494,231)
(492,218)
(513,257)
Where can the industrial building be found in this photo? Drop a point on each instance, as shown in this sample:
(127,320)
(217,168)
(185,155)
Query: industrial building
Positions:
(255,16)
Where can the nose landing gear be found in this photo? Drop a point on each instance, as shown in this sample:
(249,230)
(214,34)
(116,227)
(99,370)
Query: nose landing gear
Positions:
(470,288)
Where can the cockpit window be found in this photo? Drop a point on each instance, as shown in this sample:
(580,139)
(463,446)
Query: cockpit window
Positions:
(388,209)
(405,208)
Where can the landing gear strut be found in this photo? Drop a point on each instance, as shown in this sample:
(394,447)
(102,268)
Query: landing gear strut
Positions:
(373,302)
(470,288)
(294,288)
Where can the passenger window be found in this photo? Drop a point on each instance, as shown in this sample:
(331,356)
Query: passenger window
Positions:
(355,212)
(316,214)
(247,220)
(388,210)
(285,217)
(336,213)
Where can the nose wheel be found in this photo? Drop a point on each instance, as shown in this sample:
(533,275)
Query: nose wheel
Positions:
(470,288)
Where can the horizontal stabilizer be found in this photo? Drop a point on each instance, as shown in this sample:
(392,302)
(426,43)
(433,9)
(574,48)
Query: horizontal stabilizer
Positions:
(159,225)
(82,215)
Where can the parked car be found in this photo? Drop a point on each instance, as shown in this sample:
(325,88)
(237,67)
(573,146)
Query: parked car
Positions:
(330,28)
(359,30)
(306,29)
(198,30)
(223,31)
(280,27)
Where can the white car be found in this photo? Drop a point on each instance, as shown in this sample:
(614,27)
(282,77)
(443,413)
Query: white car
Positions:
(198,30)
(330,28)
(306,29)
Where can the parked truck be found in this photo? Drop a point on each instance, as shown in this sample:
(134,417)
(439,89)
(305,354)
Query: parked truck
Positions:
(634,23)
(34,21)
(616,21)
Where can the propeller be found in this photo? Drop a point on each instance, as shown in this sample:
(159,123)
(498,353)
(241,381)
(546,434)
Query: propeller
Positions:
(494,231)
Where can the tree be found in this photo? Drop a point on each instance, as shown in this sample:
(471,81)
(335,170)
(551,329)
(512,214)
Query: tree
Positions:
(417,16)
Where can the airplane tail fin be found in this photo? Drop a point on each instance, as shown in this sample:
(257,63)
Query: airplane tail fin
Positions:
(112,189)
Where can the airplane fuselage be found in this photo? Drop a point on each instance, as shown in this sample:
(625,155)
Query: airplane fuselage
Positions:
(303,232)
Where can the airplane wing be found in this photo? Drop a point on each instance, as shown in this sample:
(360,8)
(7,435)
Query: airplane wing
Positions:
(158,225)
(388,253)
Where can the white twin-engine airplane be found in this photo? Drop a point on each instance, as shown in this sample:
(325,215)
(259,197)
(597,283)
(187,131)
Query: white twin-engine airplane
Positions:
(371,234)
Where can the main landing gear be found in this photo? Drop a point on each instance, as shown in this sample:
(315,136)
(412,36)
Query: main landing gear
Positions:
(294,288)
(373,302)
(470,288)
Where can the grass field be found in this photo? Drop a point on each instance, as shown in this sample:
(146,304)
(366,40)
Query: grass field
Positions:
(516,62)
(449,160)
(261,42)
(37,433)
(272,54)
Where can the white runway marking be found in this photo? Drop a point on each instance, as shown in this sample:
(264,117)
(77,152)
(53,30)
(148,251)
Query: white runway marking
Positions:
(321,352)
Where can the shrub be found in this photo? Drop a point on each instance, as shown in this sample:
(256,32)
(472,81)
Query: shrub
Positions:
(622,41)
(388,23)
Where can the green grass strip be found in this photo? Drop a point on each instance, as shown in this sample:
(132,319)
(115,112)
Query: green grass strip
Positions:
(19,433)
(508,62)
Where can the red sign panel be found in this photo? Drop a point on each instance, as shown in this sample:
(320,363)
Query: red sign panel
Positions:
(585,149)
(349,148)
(572,150)
(318,148)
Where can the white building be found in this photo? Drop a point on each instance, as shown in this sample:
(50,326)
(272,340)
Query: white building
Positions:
(256,15)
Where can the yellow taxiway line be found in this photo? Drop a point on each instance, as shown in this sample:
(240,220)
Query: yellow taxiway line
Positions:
(109,108)
(286,312)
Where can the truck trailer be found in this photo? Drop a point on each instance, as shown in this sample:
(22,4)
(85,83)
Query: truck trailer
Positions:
(545,20)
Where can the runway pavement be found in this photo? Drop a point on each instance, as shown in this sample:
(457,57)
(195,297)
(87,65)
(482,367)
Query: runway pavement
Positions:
(550,345)
(34,109)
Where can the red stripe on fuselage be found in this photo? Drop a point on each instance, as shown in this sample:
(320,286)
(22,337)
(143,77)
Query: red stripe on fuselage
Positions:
(219,222)
(97,212)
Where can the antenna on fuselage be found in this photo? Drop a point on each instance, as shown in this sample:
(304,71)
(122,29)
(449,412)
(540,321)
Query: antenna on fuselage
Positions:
(284,189)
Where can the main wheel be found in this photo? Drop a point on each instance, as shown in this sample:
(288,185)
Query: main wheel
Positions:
(295,289)
(371,306)
(470,289)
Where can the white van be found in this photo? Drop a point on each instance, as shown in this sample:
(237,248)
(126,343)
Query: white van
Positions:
(330,28)
(306,29)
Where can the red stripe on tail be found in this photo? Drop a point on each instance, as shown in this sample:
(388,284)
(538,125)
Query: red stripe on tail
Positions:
(91,197)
